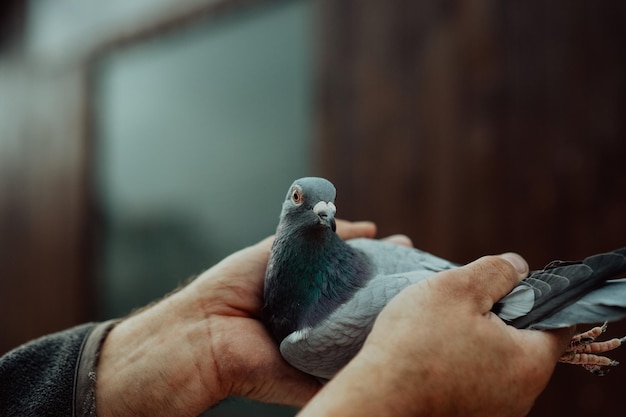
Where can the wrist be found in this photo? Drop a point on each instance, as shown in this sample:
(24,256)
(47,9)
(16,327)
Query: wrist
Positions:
(158,362)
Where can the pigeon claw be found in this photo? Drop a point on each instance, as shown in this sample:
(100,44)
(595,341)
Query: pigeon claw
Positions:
(584,350)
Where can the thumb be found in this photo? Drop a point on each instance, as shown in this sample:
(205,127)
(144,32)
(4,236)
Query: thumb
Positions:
(492,277)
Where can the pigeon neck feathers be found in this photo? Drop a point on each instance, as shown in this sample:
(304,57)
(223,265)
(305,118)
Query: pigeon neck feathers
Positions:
(311,272)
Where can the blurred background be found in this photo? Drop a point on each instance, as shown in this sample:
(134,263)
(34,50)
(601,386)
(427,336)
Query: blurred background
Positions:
(143,141)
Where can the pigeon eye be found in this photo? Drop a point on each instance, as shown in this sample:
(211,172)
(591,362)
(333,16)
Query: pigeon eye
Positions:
(296,197)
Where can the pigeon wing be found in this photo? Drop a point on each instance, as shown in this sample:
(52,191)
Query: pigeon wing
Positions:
(324,349)
(390,258)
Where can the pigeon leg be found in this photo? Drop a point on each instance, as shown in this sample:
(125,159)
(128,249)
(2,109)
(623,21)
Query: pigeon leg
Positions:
(583,350)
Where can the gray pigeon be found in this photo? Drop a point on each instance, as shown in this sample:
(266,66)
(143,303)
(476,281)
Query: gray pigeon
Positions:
(322,294)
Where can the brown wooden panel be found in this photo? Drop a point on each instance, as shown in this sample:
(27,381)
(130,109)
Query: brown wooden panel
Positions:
(43,286)
(481,127)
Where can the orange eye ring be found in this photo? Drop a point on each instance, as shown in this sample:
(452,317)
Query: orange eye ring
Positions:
(296,196)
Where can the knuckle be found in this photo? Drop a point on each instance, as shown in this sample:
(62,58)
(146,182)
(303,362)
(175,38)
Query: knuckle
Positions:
(495,263)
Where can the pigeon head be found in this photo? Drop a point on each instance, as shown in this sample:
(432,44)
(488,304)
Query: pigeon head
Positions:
(309,203)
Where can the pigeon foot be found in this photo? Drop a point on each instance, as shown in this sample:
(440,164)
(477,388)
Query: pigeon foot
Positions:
(584,350)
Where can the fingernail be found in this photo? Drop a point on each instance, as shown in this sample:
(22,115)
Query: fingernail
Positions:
(517,261)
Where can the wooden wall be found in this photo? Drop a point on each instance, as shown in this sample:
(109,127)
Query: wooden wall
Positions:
(43,247)
(479,127)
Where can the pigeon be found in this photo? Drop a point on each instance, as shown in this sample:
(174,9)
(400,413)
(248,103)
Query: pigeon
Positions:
(322,294)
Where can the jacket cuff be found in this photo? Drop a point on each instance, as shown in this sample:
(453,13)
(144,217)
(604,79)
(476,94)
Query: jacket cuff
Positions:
(84,401)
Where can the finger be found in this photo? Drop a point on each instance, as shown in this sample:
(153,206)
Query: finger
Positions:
(561,339)
(290,387)
(402,240)
(519,263)
(265,245)
(284,384)
(350,230)
(550,344)
(490,278)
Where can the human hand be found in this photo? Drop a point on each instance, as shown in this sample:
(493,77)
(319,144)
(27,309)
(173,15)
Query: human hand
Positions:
(204,343)
(437,350)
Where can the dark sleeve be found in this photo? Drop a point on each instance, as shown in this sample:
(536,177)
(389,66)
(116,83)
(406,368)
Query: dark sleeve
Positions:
(53,375)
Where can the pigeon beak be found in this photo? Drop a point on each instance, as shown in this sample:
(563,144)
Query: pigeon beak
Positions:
(326,212)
